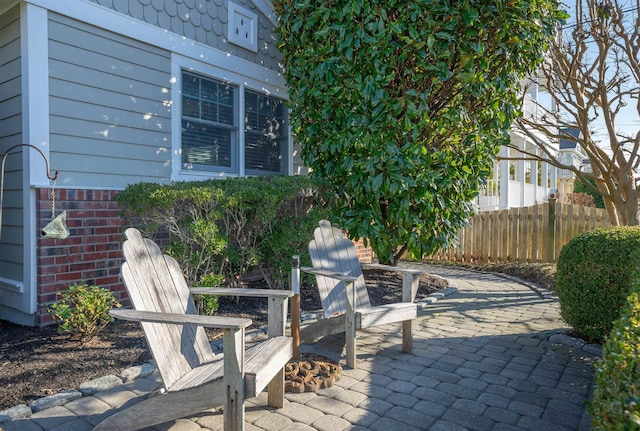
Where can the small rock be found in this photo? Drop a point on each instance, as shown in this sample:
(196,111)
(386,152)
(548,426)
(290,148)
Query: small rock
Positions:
(566,340)
(138,371)
(99,384)
(55,400)
(16,412)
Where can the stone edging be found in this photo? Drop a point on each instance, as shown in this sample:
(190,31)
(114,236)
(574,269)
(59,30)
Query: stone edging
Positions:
(85,389)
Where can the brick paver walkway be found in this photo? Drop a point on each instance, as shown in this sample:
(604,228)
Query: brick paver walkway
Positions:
(488,358)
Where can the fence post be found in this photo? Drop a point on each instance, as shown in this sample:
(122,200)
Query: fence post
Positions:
(551,231)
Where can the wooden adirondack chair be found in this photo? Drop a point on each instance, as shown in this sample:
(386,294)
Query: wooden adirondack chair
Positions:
(344,295)
(194,378)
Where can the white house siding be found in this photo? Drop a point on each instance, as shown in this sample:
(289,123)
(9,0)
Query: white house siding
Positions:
(110,115)
(12,242)
(203,21)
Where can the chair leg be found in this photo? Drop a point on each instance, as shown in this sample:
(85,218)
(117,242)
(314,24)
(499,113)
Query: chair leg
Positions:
(233,380)
(407,338)
(350,325)
(275,390)
(350,339)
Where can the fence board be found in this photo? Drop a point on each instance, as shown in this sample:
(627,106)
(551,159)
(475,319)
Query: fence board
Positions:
(529,234)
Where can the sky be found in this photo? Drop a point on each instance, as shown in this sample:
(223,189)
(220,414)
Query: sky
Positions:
(628,120)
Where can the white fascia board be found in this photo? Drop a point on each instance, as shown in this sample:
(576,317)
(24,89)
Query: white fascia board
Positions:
(113,21)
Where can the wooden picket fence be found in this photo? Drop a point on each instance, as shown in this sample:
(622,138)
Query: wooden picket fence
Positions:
(528,234)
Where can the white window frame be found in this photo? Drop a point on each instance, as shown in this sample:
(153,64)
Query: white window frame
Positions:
(180,64)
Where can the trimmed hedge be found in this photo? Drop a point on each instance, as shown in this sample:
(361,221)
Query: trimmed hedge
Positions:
(616,398)
(595,273)
(229,227)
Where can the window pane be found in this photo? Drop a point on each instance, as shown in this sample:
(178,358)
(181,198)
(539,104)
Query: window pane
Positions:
(190,107)
(210,111)
(265,133)
(209,128)
(263,154)
(225,114)
(190,85)
(226,94)
(205,145)
(209,90)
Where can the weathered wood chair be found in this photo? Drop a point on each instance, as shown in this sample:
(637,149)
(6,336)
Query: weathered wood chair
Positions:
(344,295)
(194,378)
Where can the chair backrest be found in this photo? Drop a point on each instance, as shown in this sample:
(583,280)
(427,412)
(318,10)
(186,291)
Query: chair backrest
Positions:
(331,251)
(155,283)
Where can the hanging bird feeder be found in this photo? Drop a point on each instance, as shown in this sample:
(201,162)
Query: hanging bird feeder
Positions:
(57,227)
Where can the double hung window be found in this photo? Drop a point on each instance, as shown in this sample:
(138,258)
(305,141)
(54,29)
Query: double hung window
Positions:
(232,129)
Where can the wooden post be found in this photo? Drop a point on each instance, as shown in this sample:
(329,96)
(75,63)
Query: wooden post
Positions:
(551,231)
(295,306)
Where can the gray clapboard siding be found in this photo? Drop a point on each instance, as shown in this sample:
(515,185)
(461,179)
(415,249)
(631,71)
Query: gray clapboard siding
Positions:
(91,60)
(11,245)
(9,89)
(73,134)
(125,116)
(67,162)
(204,22)
(135,99)
(109,105)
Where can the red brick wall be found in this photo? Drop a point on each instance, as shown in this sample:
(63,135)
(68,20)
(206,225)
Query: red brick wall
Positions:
(91,254)
(365,254)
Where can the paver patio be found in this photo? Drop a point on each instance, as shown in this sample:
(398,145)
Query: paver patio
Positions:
(490,357)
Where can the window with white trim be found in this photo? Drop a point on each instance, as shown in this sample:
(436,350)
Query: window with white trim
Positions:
(211,136)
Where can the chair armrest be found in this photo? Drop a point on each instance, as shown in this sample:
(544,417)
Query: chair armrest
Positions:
(259,293)
(277,303)
(331,274)
(392,268)
(181,319)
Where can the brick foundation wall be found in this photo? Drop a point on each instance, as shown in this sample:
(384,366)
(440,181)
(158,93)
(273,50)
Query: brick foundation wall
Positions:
(91,254)
(365,254)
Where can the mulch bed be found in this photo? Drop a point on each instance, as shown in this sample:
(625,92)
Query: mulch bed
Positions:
(36,362)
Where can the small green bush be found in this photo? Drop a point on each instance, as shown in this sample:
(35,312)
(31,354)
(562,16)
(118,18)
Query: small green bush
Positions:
(83,311)
(207,304)
(616,398)
(230,227)
(595,273)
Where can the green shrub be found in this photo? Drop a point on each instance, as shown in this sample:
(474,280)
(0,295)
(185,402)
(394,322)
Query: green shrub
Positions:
(207,304)
(616,398)
(83,311)
(230,227)
(595,273)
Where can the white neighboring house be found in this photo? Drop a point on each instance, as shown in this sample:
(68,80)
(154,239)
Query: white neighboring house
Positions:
(522,183)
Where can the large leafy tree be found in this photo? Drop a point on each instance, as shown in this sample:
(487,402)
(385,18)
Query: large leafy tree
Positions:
(592,76)
(402,105)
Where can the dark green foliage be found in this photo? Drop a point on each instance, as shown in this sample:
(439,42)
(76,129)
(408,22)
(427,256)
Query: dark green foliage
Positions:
(595,273)
(83,311)
(616,398)
(401,106)
(580,187)
(229,227)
